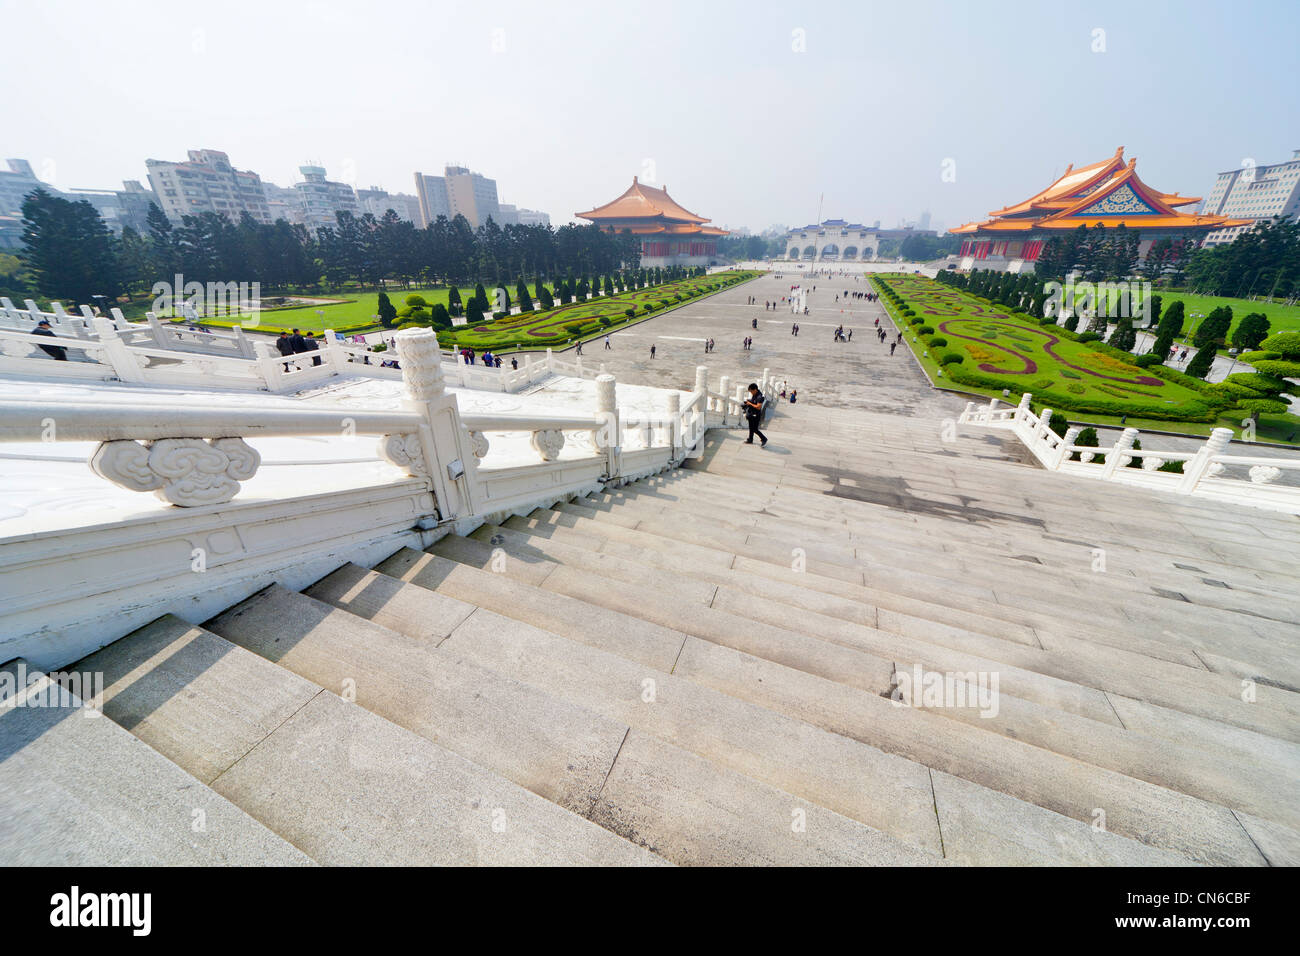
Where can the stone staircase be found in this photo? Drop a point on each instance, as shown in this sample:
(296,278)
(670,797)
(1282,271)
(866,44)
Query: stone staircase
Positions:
(704,668)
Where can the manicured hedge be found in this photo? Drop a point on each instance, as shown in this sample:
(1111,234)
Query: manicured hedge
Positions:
(1191,411)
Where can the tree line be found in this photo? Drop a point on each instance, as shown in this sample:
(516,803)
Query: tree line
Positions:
(1264,260)
(69,253)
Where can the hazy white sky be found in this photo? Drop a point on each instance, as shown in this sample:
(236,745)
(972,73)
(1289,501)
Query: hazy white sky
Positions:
(563,102)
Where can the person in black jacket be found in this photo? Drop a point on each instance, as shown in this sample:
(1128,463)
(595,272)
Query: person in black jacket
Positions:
(754,414)
(284,347)
(312,345)
(297,343)
(56,352)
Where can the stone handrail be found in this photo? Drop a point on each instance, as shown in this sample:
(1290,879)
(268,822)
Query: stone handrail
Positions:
(1204,471)
(198,455)
(151,332)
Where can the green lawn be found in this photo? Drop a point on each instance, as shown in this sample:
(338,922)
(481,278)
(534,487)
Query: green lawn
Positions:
(1005,351)
(357,314)
(1282,318)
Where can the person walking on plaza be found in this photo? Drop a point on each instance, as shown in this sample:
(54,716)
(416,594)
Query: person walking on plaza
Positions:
(607,345)
(892,346)
(754,414)
(284,347)
(652,351)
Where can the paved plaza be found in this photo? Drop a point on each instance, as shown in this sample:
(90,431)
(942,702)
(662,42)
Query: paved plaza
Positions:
(857,374)
(860,374)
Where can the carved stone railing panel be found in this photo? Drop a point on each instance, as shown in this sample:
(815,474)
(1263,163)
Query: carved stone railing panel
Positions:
(188,472)
(405,452)
(548,442)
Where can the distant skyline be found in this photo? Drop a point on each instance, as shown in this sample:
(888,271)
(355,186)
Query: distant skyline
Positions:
(562,104)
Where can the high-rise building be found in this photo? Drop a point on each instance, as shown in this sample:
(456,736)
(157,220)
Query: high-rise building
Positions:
(1255,193)
(207,183)
(508,215)
(318,199)
(16,184)
(431,191)
(458,192)
(120,208)
(281,203)
(378,201)
(533,217)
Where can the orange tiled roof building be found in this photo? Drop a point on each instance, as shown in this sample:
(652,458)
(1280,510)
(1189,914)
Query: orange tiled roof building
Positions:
(1108,193)
(670,235)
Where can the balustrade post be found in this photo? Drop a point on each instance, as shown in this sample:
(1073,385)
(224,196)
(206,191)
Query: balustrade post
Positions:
(1071,435)
(550,360)
(1122,445)
(724,403)
(125,364)
(1197,467)
(242,343)
(1022,410)
(966,414)
(270,364)
(675,424)
(610,435)
(1044,424)
(335,357)
(442,453)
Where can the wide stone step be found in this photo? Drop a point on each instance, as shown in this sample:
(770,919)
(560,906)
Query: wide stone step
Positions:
(820,470)
(895,612)
(622,588)
(1203,831)
(1085,591)
(977,572)
(489,702)
(853,779)
(1063,502)
(1217,696)
(979,558)
(1170,534)
(520,553)
(1067,718)
(78,790)
(550,747)
(1255,653)
(345,785)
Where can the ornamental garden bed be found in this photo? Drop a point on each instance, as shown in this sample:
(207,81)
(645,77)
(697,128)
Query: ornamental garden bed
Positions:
(1091,382)
(588,319)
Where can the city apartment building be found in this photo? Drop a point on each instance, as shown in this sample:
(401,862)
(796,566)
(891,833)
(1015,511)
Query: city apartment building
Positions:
(1255,193)
(207,182)
(319,199)
(458,192)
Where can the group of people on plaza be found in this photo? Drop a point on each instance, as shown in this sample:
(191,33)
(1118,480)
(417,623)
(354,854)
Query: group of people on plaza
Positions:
(297,343)
(470,357)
